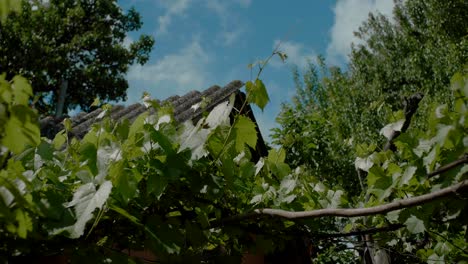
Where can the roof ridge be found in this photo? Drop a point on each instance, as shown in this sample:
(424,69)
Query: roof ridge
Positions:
(183,109)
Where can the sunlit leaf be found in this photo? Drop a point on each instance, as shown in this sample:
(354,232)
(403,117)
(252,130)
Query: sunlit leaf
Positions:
(21,129)
(389,129)
(257,93)
(245,133)
(85,200)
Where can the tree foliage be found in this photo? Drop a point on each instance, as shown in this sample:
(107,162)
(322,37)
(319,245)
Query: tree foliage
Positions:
(418,50)
(336,118)
(81,42)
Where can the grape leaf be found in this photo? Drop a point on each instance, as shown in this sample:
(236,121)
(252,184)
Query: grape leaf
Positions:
(245,133)
(388,130)
(21,129)
(157,184)
(21,90)
(443,248)
(257,93)
(24,223)
(415,225)
(86,199)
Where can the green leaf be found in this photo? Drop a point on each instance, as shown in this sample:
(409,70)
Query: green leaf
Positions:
(126,214)
(45,150)
(215,141)
(257,93)
(24,223)
(276,155)
(21,90)
(59,139)
(161,139)
(435,259)
(157,184)
(21,129)
(245,133)
(377,175)
(96,102)
(229,169)
(137,125)
(443,248)
(393,216)
(67,124)
(408,175)
(276,163)
(124,181)
(247,170)
(122,129)
(85,200)
(415,225)
(88,153)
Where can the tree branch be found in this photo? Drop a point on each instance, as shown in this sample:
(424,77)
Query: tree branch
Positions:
(411,105)
(350,212)
(449,166)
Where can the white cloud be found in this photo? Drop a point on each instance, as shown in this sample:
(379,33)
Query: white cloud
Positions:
(349,15)
(175,73)
(297,53)
(230,37)
(219,7)
(127,41)
(173,8)
(231,26)
(243,3)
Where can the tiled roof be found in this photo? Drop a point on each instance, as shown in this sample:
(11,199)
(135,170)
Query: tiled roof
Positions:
(183,110)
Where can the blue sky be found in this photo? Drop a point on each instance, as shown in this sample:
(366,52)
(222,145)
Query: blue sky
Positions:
(200,43)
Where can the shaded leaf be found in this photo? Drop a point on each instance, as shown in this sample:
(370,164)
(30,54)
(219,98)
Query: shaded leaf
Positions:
(415,225)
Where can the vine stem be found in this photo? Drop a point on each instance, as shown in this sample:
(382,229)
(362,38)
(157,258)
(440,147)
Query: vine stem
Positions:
(262,66)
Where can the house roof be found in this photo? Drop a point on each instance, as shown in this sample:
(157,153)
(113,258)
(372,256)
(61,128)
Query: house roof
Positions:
(182,105)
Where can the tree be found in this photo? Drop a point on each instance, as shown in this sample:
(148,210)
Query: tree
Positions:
(336,119)
(75,42)
(419,51)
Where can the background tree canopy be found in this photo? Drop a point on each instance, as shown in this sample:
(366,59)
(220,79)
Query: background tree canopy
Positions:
(81,42)
(337,116)
(418,50)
